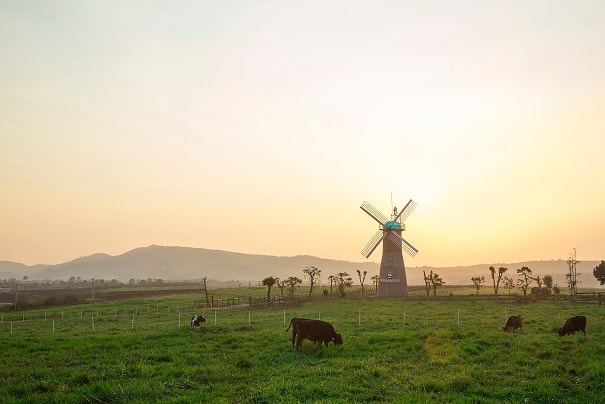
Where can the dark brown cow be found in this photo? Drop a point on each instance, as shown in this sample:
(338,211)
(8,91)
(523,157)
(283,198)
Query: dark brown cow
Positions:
(513,323)
(573,324)
(294,324)
(197,320)
(317,331)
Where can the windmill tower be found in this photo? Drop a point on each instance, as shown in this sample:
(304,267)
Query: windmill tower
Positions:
(392,281)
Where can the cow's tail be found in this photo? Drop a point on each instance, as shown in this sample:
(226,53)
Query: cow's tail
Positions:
(291,321)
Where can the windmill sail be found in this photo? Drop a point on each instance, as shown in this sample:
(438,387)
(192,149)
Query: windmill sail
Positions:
(372,244)
(374,213)
(401,242)
(406,211)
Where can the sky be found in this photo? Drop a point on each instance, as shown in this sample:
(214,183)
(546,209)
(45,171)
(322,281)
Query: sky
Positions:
(261,126)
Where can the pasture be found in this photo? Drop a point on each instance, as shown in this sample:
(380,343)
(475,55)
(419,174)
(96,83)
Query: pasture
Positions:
(401,350)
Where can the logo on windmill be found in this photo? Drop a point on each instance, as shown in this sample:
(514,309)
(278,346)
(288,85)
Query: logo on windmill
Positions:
(392,281)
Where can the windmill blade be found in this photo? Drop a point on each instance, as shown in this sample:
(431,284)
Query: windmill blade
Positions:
(374,213)
(372,244)
(406,211)
(401,242)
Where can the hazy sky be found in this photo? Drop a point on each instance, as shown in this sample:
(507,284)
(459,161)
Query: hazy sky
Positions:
(261,126)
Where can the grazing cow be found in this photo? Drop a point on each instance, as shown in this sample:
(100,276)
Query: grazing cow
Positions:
(573,324)
(294,324)
(513,323)
(317,331)
(197,320)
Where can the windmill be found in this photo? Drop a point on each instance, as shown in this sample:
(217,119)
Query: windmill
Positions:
(392,281)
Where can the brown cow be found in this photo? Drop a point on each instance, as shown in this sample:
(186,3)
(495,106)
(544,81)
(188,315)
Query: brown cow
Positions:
(573,324)
(317,331)
(294,324)
(513,323)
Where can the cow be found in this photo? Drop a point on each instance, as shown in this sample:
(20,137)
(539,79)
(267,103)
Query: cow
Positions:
(294,324)
(573,324)
(513,323)
(317,331)
(197,320)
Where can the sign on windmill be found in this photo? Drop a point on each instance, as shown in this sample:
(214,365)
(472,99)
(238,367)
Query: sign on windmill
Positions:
(392,281)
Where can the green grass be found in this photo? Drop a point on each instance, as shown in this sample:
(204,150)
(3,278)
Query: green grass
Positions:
(445,351)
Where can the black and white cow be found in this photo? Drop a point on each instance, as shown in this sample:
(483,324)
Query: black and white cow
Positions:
(197,320)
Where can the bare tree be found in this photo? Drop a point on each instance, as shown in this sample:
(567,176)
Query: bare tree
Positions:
(332,279)
(375,281)
(427,282)
(477,281)
(292,282)
(362,279)
(509,284)
(572,273)
(524,280)
(281,285)
(547,279)
(343,280)
(436,281)
(496,279)
(314,275)
(206,290)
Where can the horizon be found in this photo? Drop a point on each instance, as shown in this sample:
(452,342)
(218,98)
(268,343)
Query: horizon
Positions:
(261,127)
(293,256)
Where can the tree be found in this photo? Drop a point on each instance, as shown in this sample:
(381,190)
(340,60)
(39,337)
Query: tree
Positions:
(509,284)
(313,274)
(292,282)
(206,290)
(332,279)
(496,279)
(375,281)
(280,284)
(362,279)
(435,281)
(547,279)
(572,273)
(343,280)
(427,282)
(269,282)
(599,272)
(477,281)
(539,281)
(524,279)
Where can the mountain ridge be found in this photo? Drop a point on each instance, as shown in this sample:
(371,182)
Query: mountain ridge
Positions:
(191,263)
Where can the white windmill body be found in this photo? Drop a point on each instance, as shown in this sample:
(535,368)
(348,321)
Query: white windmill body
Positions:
(392,280)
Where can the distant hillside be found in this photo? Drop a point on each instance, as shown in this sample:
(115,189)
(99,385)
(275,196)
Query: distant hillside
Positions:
(184,263)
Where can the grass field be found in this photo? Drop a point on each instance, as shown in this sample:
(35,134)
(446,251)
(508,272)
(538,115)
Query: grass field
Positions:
(394,350)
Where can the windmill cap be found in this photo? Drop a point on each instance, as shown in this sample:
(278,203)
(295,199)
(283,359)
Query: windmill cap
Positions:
(391,224)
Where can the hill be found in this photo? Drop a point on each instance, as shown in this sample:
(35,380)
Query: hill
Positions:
(186,263)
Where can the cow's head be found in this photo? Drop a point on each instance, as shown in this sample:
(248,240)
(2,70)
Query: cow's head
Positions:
(338,339)
(196,320)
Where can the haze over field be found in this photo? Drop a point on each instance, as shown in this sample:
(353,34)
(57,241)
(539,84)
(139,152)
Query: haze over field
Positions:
(261,126)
